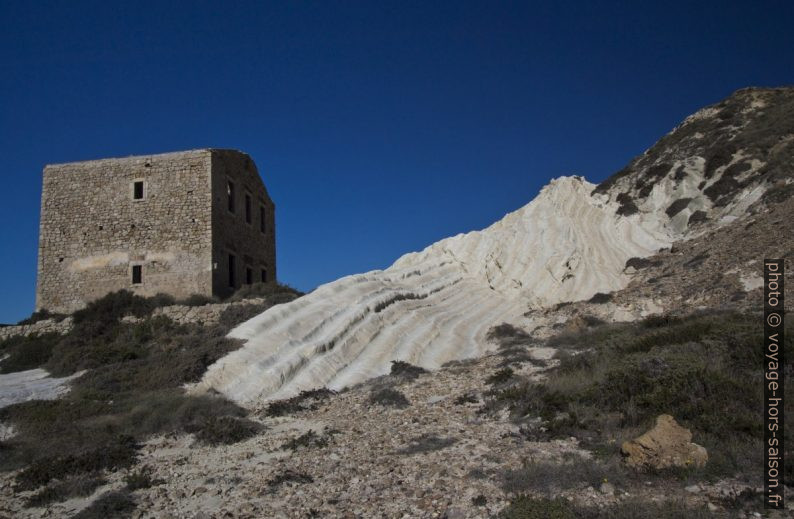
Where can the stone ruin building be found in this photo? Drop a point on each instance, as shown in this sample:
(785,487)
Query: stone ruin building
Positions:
(192,222)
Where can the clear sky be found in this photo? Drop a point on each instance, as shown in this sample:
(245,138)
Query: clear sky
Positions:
(378,127)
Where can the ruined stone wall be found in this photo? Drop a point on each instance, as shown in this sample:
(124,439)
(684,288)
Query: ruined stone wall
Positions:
(92,231)
(231,233)
(38,328)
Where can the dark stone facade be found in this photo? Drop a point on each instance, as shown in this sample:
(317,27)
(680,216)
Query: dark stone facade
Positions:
(167,223)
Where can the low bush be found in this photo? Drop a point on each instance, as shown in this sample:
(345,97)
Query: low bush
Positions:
(26,353)
(626,207)
(677,206)
(289,476)
(426,443)
(141,479)
(621,376)
(309,439)
(507,332)
(274,292)
(134,388)
(78,486)
(640,263)
(120,454)
(551,477)
(500,377)
(600,298)
(305,401)
(479,500)
(388,397)
(697,217)
(198,300)
(467,398)
(42,315)
(405,370)
(116,504)
(217,430)
(528,507)
(237,314)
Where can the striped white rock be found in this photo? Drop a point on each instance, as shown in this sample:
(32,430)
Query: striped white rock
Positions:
(437,305)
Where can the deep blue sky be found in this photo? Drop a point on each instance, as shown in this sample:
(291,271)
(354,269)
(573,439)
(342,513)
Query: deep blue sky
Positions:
(378,127)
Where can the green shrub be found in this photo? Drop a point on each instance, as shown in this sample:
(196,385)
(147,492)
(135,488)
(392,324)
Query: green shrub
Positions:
(697,217)
(640,263)
(116,504)
(627,206)
(467,398)
(78,486)
(677,206)
(133,389)
(122,454)
(140,479)
(388,397)
(309,439)
(289,476)
(42,315)
(695,368)
(500,377)
(507,331)
(305,401)
(276,293)
(600,298)
(526,507)
(479,500)
(551,477)
(216,430)
(26,353)
(426,443)
(405,370)
(198,300)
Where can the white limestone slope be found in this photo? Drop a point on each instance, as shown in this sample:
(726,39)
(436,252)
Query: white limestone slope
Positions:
(33,384)
(437,305)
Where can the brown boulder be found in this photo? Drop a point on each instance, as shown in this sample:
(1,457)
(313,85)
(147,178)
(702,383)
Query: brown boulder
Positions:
(666,445)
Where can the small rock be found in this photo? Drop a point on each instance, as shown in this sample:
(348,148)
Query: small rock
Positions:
(693,489)
(666,445)
(607,488)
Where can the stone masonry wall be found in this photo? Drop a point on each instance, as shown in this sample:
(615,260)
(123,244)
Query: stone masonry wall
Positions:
(39,328)
(92,231)
(231,234)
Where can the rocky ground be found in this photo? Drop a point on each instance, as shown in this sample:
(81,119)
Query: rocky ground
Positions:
(345,456)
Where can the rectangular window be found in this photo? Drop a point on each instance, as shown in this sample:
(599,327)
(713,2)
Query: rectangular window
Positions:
(232,271)
(247,208)
(262,224)
(137,274)
(230,195)
(263,274)
(137,190)
(249,276)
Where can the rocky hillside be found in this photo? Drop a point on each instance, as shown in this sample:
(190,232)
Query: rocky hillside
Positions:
(589,356)
(715,164)
(575,240)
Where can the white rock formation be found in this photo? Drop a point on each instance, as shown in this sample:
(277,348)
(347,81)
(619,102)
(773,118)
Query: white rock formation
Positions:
(33,384)
(437,305)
